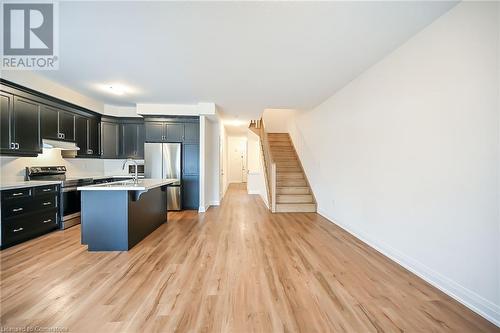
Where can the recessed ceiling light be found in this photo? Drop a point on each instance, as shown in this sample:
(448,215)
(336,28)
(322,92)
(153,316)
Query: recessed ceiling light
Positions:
(115,88)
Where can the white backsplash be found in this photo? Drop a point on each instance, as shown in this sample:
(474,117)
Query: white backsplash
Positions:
(13,168)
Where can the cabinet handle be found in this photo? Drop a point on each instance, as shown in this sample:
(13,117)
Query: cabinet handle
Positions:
(47,221)
(18,229)
(47,189)
(17,194)
(12,145)
(17,210)
(47,203)
(17,145)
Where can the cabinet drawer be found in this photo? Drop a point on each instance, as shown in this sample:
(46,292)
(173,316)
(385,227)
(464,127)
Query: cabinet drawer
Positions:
(17,193)
(23,228)
(45,203)
(45,189)
(14,208)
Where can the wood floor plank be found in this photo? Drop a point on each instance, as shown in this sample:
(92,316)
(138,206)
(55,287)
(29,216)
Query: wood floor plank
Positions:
(235,268)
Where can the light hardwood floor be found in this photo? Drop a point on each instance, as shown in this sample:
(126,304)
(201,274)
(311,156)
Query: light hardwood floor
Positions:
(236,268)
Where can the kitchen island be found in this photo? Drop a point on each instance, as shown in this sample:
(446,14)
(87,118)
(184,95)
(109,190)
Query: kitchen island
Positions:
(116,216)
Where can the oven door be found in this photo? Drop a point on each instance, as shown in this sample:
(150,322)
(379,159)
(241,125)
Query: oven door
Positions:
(70,207)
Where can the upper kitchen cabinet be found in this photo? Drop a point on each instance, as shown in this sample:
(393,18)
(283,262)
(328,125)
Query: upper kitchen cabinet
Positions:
(175,132)
(179,129)
(87,136)
(57,124)
(110,139)
(192,132)
(155,131)
(20,126)
(6,105)
(132,139)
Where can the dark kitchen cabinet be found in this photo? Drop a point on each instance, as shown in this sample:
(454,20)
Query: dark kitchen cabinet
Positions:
(26,125)
(67,126)
(86,136)
(81,134)
(93,136)
(155,132)
(190,192)
(190,159)
(6,102)
(110,139)
(57,124)
(174,132)
(28,212)
(192,132)
(132,140)
(49,122)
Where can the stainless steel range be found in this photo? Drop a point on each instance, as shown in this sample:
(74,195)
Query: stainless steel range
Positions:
(69,204)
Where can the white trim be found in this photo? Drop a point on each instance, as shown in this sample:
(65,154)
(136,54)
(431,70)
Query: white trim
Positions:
(470,299)
(214,203)
(253,192)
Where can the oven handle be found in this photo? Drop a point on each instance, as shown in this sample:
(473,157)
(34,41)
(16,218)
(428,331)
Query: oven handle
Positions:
(69,189)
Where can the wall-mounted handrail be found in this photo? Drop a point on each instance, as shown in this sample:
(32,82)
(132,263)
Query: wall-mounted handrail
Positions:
(270,166)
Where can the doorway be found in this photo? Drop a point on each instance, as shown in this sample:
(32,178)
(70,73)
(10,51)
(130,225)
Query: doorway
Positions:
(237,148)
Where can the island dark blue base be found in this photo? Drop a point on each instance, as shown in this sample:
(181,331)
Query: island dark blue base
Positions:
(118,220)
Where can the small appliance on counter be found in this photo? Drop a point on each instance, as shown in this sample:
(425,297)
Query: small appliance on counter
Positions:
(69,205)
(163,161)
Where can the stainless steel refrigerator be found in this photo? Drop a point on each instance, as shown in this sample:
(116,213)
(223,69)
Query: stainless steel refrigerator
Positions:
(163,160)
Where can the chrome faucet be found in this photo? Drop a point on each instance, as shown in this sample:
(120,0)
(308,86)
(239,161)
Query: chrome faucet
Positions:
(136,178)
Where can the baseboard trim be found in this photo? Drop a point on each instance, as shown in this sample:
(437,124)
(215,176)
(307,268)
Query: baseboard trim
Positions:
(215,203)
(470,299)
(253,192)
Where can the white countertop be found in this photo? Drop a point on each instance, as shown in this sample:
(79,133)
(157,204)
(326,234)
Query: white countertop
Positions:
(9,185)
(129,185)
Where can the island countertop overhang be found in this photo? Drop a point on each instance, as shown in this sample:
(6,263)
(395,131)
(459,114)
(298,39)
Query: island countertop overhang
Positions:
(129,185)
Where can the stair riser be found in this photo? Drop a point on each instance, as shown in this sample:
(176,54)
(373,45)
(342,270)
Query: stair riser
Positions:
(295,208)
(285,183)
(292,190)
(290,175)
(280,144)
(287,170)
(284,198)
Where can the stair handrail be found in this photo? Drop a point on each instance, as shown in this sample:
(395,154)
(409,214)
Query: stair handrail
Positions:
(270,166)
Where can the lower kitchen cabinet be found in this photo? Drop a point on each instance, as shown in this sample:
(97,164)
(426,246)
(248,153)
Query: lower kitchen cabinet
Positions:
(28,213)
(190,192)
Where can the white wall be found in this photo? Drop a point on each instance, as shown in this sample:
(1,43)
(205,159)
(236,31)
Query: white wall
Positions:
(255,182)
(209,163)
(278,120)
(406,156)
(37,82)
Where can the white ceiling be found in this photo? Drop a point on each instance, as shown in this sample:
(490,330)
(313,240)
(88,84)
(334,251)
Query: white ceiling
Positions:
(243,56)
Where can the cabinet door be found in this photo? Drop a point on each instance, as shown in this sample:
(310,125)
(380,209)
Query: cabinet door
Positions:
(27,125)
(67,125)
(175,132)
(6,101)
(128,140)
(93,136)
(154,132)
(190,192)
(192,133)
(190,159)
(49,122)
(109,140)
(81,135)
(141,138)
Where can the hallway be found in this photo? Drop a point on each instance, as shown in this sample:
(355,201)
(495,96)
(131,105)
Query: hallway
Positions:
(235,268)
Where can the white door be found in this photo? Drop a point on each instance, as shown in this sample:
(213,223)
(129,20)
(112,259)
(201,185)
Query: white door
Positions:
(237,147)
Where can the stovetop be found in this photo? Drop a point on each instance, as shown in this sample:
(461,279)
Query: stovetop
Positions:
(55,173)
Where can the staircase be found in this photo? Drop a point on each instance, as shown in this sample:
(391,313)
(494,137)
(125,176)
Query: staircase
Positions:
(287,187)
(293,193)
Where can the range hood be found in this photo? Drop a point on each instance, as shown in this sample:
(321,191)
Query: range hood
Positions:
(62,145)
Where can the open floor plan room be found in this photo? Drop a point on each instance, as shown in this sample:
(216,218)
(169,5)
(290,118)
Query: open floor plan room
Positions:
(237,268)
(250,166)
